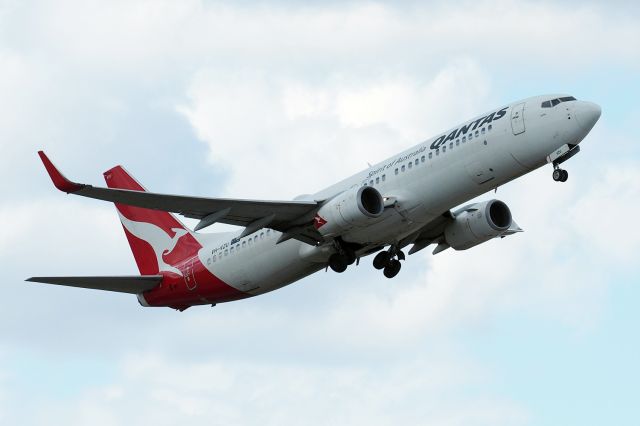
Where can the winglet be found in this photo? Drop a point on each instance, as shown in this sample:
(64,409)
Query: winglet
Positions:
(60,182)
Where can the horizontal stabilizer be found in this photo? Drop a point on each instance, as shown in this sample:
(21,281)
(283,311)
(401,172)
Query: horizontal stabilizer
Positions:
(122,284)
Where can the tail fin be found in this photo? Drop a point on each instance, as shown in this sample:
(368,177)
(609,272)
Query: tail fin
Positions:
(158,240)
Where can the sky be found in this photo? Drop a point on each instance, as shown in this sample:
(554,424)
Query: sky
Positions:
(272,99)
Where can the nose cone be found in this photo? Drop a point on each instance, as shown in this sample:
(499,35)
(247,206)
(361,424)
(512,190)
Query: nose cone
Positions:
(587,114)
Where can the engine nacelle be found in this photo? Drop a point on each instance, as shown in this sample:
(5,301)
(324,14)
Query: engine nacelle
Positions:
(478,223)
(352,208)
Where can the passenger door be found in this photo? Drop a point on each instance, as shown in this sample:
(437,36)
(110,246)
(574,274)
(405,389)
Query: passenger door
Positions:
(517,119)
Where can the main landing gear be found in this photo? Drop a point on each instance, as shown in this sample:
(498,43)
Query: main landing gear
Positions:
(560,175)
(344,257)
(389,261)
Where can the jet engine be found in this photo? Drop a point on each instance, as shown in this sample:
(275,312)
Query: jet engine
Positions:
(349,209)
(478,223)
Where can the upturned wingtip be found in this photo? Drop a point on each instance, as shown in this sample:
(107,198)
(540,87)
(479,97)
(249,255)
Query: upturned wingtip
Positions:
(58,179)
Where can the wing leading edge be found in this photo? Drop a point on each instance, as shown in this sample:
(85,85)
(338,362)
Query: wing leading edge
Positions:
(289,217)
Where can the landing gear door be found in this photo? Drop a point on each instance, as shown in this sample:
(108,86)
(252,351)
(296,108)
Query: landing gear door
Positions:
(517,119)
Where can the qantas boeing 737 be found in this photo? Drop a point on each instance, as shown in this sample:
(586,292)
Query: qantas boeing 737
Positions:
(409,199)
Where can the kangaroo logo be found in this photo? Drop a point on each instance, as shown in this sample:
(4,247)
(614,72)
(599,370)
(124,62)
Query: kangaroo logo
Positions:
(162,244)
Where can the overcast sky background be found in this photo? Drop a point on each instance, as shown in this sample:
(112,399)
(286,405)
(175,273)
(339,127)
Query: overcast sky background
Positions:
(274,99)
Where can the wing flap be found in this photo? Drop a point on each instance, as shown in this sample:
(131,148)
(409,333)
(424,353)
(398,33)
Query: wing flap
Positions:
(122,284)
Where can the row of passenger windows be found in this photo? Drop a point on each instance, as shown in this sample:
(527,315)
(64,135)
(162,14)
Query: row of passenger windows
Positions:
(554,102)
(248,242)
(423,159)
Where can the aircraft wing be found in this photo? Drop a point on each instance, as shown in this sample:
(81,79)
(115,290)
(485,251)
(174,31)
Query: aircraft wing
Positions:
(121,284)
(290,217)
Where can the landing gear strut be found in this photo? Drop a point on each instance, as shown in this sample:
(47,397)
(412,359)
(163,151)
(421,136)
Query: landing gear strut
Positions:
(389,261)
(343,257)
(560,175)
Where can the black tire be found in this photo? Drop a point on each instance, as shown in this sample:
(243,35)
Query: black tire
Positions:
(392,269)
(350,255)
(338,263)
(557,175)
(565,176)
(381,260)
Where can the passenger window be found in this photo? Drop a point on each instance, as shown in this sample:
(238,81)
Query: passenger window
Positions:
(423,159)
(214,257)
(450,145)
(402,168)
(483,130)
(417,161)
(410,164)
(437,151)
(268,231)
(470,136)
(490,127)
(261,235)
(377,180)
(430,155)
(226,252)
(444,149)
(244,244)
(384,177)
(209,261)
(250,241)
(396,170)
(464,139)
(231,250)
(477,133)
(458,142)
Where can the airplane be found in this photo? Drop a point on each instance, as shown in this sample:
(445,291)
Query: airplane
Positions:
(409,199)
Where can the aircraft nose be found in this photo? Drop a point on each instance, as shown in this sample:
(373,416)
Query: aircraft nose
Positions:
(587,114)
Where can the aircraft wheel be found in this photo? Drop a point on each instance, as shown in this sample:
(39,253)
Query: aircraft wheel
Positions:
(338,263)
(350,256)
(565,176)
(392,269)
(381,260)
(557,175)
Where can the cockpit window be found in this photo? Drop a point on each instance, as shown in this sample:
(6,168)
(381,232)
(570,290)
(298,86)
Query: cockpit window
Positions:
(554,102)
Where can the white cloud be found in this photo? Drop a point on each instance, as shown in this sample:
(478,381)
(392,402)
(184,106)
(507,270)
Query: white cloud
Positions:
(84,229)
(603,218)
(289,99)
(287,135)
(227,392)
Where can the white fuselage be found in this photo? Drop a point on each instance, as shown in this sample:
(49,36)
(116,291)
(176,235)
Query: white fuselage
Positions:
(425,181)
